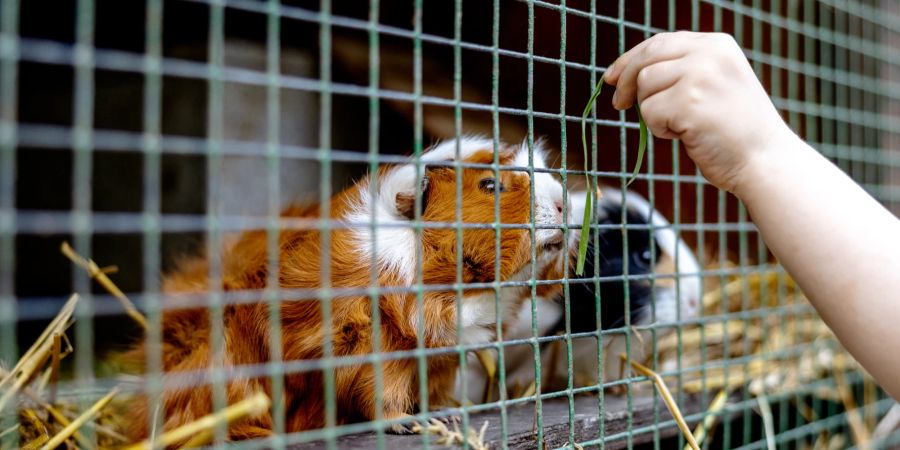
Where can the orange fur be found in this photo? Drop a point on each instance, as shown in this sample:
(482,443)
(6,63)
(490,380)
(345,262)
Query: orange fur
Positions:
(186,340)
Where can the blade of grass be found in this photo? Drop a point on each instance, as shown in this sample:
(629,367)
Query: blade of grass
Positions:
(642,145)
(585,233)
(589,198)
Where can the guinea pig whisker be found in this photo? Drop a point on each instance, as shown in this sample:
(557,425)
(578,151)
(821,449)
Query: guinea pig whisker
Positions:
(621,320)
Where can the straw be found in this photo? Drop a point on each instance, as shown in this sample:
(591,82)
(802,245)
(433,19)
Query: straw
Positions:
(667,398)
(99,275)
(61,318)
(486,358)
(703,428)
(54,366)
(44,436)
(888,423)
(765,411)
(37,355)
(256,404)
(857,427)
(81,420)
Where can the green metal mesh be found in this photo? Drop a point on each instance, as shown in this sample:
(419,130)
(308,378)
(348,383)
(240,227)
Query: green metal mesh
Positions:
(830,67)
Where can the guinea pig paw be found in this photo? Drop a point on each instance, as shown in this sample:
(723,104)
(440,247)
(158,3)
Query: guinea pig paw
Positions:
(408,427)
(450,421)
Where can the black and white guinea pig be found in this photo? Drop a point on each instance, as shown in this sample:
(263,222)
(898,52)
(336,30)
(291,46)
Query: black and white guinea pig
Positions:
(647,256)
(672,296)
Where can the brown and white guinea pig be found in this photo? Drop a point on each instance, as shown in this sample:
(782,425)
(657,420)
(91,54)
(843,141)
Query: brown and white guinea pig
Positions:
(664,302)
(186,340)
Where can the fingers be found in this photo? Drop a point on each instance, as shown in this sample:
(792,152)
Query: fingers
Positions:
(658,77)
(659,48)
(659,111)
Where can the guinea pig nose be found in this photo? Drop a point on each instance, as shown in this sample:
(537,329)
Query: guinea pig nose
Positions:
(559,207)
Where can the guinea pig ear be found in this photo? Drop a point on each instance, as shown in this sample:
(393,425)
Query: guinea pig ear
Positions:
(406,199)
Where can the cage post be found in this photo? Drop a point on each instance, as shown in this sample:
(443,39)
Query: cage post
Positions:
(375,294)
(82,226)
(623,186)
(598,308)
(272,292)
(458,217)
(326,296)
(418,227)
(152,184)
(9,55)
(495,166)
(535,346)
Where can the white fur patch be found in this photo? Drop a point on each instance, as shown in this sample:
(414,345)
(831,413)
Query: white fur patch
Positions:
(519,358)
(394,241)
(548,192)
(468,146)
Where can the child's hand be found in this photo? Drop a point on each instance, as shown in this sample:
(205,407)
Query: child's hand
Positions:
(699,87)
(838,243)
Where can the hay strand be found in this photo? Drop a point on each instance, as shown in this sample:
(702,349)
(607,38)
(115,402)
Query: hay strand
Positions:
(36,443)
(99,274)
(61,318)
(55,414)
(56,356)
(256,404)
(765,411)
(709,420)
(32,361)
(9,431)
(37,424)
(69,430)
(858,429)
(888,423)
(667,398)
(486,358)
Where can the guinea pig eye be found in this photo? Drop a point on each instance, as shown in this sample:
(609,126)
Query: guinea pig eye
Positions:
(642,259)
(491,185)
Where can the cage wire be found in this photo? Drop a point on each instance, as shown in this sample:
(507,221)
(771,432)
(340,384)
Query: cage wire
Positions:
(146,132)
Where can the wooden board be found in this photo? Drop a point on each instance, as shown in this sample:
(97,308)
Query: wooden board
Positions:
(644,412)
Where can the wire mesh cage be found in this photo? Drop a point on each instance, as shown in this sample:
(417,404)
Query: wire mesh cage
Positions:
(334,224)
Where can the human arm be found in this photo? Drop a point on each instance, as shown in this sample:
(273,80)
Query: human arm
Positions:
(840,245)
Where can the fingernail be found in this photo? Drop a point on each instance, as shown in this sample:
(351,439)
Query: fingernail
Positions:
(615,99)
(609,70)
